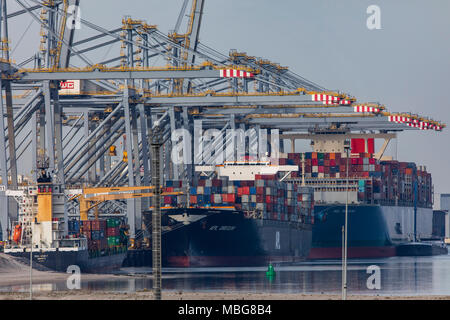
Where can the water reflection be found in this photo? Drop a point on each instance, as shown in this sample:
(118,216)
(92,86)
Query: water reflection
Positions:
(399,276)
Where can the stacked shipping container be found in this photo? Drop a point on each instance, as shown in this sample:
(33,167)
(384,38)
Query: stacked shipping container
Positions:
(385,182)
(103,236)
(265,196)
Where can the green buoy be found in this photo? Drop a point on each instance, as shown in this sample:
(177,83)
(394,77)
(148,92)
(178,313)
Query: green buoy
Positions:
(270,271)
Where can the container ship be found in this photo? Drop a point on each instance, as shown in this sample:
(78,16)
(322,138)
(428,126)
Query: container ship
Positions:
(389,202)
(244,216)
(45,232)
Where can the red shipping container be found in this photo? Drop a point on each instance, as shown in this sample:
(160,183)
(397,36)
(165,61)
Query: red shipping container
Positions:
(332,162)
(372,161)
(95,225)
(269,199)
(259,190)
(112,232)
(240,191)
(169,189)
(358,145)
(371,145)
(86,225)
(321,169)
(231,197)
(246,190)
(201,183)
(167,200)
(315,162)
(326,163)
(353,161)
(193,199)
(361,161)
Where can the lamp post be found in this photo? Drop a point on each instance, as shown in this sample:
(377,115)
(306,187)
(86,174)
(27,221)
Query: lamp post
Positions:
(345,246)
(31,264)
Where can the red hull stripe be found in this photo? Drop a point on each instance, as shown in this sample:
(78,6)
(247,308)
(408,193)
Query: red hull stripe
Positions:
(353,252)
(218,261)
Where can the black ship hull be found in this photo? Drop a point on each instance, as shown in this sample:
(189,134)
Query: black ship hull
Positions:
(220,238)
(61,260)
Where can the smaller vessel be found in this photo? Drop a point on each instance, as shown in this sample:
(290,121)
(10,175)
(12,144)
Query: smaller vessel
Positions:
(44,231)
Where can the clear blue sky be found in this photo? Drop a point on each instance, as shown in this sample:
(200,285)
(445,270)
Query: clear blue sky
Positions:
(405,65)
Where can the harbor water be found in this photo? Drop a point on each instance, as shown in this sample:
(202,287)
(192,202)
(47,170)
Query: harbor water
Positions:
(399,276)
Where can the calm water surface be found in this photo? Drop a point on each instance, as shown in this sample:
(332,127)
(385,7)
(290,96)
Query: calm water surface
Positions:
(399,276)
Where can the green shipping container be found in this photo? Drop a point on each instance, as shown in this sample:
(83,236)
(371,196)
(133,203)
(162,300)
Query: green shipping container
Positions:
(111,241)
(112,223)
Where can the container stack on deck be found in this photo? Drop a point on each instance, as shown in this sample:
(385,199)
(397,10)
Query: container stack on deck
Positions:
(384,182)
(333,165)
(103,235)
(266,196)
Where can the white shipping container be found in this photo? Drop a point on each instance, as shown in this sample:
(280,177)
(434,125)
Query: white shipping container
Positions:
(217,198)
(259,183)
(261,206)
